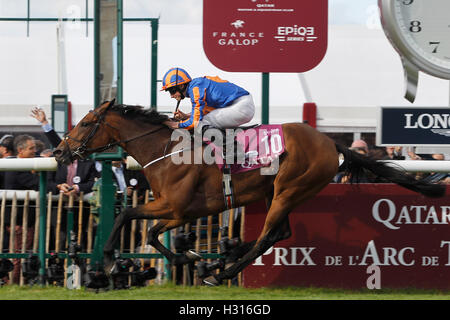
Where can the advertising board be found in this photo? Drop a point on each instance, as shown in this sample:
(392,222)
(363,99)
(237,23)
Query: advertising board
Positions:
(265,35)
(357,236)
(425,126)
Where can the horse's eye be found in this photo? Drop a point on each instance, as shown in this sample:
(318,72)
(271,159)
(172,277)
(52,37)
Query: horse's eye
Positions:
(85,124)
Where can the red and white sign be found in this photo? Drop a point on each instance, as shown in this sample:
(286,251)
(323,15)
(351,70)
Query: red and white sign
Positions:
(338,235)
(265,35)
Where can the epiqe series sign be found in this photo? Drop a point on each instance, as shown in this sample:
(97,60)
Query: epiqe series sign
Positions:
(414,126)
(357,236)
(265,35)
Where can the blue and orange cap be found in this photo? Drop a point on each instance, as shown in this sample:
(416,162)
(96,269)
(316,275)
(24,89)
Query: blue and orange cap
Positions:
(175,77)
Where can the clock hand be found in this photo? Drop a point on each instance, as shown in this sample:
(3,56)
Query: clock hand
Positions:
(411,80)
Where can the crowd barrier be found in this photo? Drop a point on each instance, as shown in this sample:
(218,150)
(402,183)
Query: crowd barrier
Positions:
(19,223)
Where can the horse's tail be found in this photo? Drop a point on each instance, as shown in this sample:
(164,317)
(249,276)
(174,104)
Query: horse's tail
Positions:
(354,163)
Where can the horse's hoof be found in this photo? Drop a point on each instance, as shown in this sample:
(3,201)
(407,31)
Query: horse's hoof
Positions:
(228,265)
(211,281)
(188,257)
(193,256)
(108,264)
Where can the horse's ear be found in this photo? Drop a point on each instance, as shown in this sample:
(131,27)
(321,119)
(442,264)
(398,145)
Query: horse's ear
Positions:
(111,103)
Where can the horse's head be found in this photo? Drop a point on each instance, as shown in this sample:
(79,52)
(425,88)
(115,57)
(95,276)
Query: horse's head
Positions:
(87,137)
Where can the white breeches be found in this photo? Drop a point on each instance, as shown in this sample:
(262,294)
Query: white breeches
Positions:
(239,112)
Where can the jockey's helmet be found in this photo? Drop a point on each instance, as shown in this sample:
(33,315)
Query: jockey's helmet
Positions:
(174,77)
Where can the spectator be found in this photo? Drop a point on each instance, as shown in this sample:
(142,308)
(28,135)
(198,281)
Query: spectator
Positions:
(377,153)
(394,153)
(362,176)
(40,146)
(7,146)
(50,133)
(129,180)
(438,156)
(6,151)
(438,177)
(360,144)
(411,153)
(72,179)
(22,180)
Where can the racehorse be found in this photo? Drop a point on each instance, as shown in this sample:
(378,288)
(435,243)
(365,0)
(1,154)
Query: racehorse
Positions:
(184,192)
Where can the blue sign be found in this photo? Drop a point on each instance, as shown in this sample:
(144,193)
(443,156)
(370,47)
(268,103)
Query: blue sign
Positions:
(414,126)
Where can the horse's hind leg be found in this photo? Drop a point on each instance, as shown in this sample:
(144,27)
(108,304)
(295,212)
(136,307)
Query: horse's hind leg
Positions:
(242,249)
(239,252)
(276,228)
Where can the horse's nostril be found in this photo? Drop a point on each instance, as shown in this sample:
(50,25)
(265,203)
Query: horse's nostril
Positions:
(57,152)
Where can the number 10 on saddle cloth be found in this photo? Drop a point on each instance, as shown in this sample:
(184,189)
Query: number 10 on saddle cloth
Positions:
(261,145)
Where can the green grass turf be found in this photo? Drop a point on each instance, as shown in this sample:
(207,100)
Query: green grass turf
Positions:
(172,292)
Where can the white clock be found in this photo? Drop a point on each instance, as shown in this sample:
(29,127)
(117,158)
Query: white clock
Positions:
(420,32)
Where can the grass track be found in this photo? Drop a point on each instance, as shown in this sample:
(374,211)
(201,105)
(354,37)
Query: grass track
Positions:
(171,292)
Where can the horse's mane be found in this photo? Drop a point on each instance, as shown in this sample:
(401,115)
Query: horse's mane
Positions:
(139,113)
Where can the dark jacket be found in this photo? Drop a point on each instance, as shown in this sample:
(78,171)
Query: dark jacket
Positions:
(53,138)
(85,176)
(135,179)
(86,171)
(21,180)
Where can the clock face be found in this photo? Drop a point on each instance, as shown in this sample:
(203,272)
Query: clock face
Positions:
(425,29)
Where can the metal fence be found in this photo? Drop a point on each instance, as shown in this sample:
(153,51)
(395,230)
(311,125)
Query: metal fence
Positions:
(72,223)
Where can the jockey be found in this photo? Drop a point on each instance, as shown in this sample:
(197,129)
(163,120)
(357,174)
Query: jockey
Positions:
(215,102)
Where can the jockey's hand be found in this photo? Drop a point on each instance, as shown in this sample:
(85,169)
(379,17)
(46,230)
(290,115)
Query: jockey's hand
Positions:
(171,124)
(179,115)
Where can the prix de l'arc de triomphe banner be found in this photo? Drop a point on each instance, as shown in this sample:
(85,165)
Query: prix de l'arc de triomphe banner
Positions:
(342,233)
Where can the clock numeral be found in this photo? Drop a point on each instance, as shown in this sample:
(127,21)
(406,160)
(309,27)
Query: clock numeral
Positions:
(407,2)
(436,44)
(415,26)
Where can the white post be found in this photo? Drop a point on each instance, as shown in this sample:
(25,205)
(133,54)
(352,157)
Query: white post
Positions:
(61,60)
(304,84)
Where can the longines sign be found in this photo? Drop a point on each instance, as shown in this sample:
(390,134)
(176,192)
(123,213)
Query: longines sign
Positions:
(414,126)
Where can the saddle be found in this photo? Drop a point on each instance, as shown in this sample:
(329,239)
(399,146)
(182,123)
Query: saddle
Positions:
(232,150)
(252,147)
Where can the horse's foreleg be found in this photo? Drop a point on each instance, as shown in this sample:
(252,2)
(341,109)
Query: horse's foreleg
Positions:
(108,250)
(153,210)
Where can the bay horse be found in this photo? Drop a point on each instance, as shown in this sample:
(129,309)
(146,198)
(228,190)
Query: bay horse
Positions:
(184,192)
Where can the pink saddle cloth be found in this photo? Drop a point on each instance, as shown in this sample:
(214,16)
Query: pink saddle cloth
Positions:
(262,145)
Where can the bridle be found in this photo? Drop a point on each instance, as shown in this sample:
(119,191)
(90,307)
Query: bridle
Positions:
(82,150)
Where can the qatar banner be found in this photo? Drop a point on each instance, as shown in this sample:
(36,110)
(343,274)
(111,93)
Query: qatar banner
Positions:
(357,236)
(265,35)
